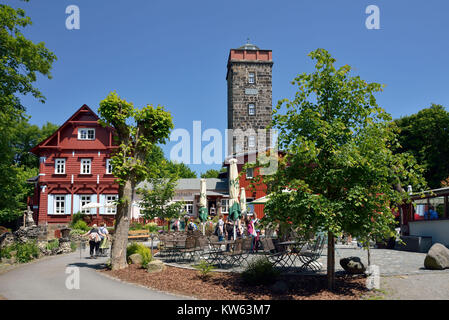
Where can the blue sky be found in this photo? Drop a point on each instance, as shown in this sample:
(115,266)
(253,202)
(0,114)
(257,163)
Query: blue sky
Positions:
(174,53)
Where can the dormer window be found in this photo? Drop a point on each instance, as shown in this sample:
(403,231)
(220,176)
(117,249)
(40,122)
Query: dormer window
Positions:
(86,134)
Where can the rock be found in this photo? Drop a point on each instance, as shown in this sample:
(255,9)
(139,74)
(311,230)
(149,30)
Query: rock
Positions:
(135,258)
(437,258)
(353,265)
(155,266)
(6,239)
(279,287)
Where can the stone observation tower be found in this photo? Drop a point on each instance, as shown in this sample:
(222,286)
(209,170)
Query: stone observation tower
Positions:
(249,77)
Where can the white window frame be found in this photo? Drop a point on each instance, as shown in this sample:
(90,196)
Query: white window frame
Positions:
(188,207)
(111,198)
(251,109)
(249,173)
(60,163)
(251,142)
(108,166)
(83,166)
(83,134)
(83,202)
(61,200)
(252,76)
(225,206)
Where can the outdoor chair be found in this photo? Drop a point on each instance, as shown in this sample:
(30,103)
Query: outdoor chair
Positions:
(275,256)
(234,256)
(310,254)
(188,249)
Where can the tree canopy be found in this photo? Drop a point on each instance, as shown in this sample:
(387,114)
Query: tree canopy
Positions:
(339,163)
(425,135)
(21,61)
(212,173)
(137,130)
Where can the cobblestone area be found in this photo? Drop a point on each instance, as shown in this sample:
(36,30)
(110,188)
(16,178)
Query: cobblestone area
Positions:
(390,262)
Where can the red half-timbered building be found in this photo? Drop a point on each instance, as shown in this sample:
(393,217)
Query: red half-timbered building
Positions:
(75,170)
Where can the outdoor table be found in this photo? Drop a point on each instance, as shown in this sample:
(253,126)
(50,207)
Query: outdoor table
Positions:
(289,258)
(216,251)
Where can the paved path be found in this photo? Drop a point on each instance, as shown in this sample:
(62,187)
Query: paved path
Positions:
(415,287)
(46,279)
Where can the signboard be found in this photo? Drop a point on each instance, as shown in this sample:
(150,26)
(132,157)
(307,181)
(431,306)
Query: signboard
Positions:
(251,91)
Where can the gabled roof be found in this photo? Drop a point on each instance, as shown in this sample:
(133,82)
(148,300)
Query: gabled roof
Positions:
(84,110)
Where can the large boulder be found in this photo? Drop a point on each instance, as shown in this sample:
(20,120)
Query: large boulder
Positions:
(135,258)
(155,266)
(353,265)
(437,258)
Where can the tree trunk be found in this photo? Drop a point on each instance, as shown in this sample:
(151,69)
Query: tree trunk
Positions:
(330,261)
(120,241)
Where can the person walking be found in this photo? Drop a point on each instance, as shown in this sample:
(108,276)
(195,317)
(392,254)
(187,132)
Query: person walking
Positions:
(94,240)
(104,235)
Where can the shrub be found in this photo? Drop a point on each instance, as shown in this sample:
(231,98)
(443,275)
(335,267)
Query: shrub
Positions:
(204,268)
(152,227)
(76,232)
(26,252)
(5,252)
(53,244)
(81,225)
(73,246)
(260,271)
(144,251)
(136,226)
(77,217)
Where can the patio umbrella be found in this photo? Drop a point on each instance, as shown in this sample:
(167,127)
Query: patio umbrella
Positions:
(265,199)
(91,205)
(234,211)
(243,201)
(203,202)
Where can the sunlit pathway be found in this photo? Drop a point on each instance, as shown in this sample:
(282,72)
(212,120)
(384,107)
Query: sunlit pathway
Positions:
(46,279)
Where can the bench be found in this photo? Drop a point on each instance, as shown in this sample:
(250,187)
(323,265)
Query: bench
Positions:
(138,235)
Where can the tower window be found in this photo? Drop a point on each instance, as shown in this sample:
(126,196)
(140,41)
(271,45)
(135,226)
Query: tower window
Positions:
(251,77)
(252,109)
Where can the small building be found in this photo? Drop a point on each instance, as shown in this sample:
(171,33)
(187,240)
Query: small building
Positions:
(427,216)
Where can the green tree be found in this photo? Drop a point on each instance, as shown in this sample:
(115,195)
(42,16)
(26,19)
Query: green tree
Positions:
(182,170)
(21,61)
(137,131)
(425,135)
(26,137)
(339,164)
(212,173)
(157,200)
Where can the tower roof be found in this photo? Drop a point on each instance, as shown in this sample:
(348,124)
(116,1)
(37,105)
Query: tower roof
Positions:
(249,46)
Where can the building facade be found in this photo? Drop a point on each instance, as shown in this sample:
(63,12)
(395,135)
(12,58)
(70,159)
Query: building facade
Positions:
(74,170)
